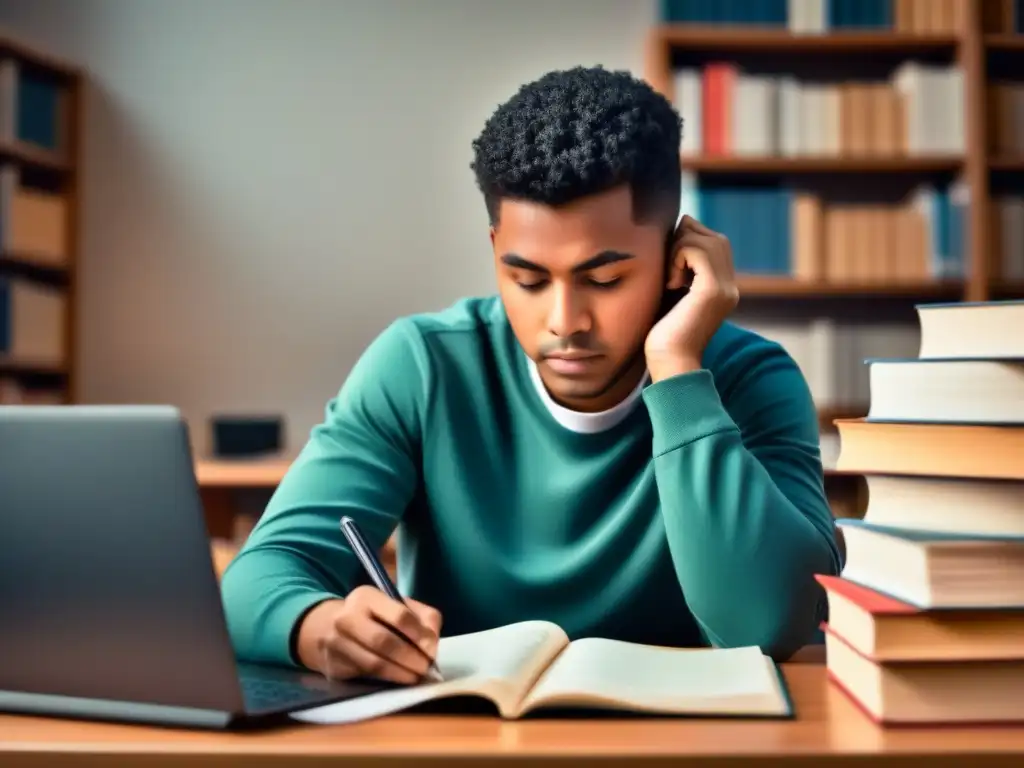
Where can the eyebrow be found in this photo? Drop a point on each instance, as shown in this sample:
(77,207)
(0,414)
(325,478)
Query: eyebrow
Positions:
(602,259)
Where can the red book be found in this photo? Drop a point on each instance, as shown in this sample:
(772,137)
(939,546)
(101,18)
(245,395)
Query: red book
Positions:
(886,629)
(716,107)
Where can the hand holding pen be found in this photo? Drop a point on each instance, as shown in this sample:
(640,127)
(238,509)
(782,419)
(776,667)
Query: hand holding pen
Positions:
(373,631)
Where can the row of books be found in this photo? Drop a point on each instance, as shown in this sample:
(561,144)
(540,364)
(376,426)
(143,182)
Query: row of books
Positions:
(1005,106)
(830,350)
(730,111)
(821,16)
(31,322)
(33,220)
(819,235)
(926,620)
(1007,236)
(33,107)
(1002,16)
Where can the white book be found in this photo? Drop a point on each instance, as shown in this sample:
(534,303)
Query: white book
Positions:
(816,18)
(790,125)
(831,111)
(812,128)
(953,106)
(688,96)
(532,665)
(1010,211)
(947,391)
(796,16)
(822,368)
(907,82)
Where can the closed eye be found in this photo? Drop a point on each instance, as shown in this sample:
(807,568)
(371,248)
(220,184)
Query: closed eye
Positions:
(532,287)
(605,283)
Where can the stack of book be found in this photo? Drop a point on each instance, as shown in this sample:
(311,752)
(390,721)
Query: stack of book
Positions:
(926,621)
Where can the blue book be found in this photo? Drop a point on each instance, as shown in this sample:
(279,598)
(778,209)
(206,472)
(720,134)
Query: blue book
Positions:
(38,110)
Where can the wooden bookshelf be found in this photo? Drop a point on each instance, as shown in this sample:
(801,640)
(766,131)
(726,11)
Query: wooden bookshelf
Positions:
(1004,42)
(819,165)
(974,45)
(40,103)
(758,286)
(966,48)
(714,38)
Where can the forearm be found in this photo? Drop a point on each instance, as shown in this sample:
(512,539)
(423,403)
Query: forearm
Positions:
(745,549)
(266,592)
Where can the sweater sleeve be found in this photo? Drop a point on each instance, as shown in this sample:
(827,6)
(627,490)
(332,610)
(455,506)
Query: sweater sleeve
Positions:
(743,502)
(361,460)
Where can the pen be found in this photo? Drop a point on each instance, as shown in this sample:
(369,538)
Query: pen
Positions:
(376,572)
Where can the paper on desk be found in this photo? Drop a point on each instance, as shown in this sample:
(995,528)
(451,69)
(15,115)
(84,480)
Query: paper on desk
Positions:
(368,707)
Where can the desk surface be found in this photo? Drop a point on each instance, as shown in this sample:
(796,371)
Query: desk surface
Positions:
(829,729)
(242,473)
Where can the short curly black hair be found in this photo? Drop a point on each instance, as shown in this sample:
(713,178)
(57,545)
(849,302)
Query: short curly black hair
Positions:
(577,132)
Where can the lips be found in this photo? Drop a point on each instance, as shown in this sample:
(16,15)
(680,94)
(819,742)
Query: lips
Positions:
(571,365)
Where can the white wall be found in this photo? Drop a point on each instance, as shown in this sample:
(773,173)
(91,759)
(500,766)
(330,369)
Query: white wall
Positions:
(267,183)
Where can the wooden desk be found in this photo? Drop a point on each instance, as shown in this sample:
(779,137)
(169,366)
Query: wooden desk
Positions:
(829,730)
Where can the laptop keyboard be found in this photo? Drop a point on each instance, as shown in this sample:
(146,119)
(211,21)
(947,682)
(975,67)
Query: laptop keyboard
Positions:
(263,694)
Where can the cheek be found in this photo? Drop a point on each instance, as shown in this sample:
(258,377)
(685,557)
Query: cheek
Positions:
(624,317)
(523,315)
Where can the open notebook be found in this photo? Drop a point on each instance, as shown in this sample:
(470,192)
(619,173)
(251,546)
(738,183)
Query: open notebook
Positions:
(532,665)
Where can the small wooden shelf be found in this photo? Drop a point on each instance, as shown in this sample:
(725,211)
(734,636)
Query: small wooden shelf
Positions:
(788,287)
(13,367)
(1006,163)
(9,46)
(1004,42)
(735,39)
(25,265)
(782,165)
(33,158)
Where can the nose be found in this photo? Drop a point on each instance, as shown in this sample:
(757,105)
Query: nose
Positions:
(569,314)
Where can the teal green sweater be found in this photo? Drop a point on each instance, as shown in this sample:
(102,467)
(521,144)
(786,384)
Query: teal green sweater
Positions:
(700,518)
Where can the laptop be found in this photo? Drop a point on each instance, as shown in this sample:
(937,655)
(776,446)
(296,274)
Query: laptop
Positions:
(110,606)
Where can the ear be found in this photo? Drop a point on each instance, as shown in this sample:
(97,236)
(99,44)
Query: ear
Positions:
(677,274)
(491,230)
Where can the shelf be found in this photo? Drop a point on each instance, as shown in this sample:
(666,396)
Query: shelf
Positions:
(713,39)
(33,158)
(1006,163)
(30,368)
(18,50)
(753,164)
(1004,42)
(1007,289)
(24,265)
(787,287)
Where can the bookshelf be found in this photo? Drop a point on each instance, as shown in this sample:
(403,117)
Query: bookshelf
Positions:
(40,105)
(980,39)
(899,116)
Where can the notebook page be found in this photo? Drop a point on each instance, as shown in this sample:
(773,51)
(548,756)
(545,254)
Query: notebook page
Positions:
(466,662)
(609,672)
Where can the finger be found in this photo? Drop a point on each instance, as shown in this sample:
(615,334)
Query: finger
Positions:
(401,617)
(695,252)
(430,618)
(690,223)
(348,653)
(383,641)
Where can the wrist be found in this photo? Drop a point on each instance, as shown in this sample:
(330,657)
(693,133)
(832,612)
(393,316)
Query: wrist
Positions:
(664,366)
(314,627)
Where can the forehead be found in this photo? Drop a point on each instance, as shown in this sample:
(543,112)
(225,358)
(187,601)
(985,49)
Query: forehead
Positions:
(551,235)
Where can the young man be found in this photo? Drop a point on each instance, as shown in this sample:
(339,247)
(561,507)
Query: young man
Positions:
(597,446)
